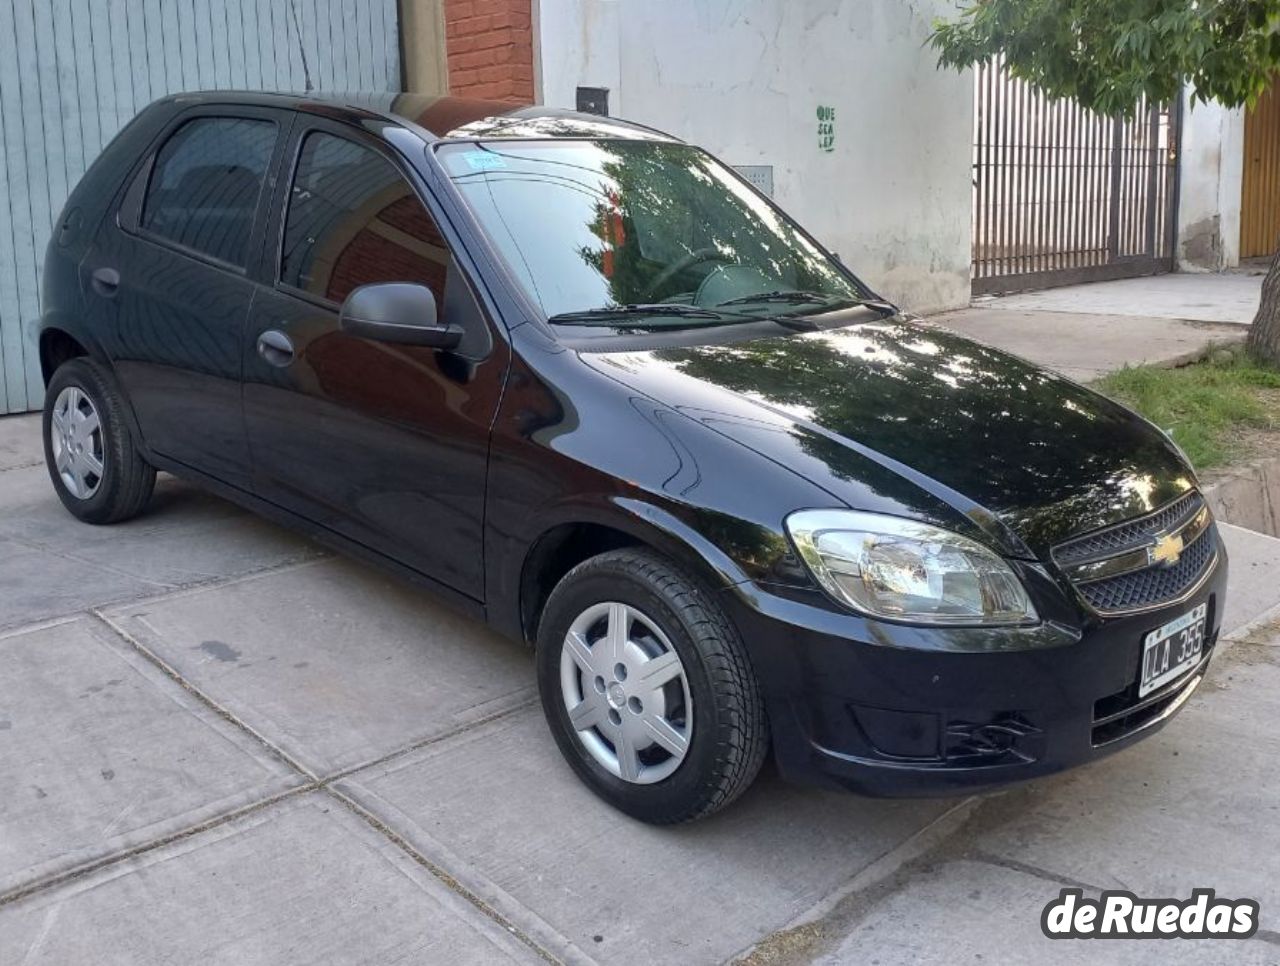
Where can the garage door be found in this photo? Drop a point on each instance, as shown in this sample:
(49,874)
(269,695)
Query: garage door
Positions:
(72,72)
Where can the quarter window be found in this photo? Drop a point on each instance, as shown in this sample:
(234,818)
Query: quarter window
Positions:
(353,219)
(205,187)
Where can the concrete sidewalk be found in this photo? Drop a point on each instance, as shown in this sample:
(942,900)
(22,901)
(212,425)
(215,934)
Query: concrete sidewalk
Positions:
(219,744)
(1085,331)
(1225,297)
(1085,347)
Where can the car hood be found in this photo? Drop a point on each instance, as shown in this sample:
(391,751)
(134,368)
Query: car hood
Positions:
(902,417)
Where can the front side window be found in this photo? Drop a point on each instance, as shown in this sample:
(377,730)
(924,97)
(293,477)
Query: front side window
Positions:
(353,220)
(592,226)
(205,186)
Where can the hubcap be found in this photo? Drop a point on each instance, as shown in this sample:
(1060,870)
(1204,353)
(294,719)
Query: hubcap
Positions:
(626,693)
(75,434)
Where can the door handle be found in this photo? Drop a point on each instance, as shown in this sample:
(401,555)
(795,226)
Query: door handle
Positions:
(276,348)
(105,281)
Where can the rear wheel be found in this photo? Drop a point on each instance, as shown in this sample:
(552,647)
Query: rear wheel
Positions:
(647,688)
(93,462)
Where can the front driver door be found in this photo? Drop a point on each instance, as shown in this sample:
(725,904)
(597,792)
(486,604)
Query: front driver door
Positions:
(384,444)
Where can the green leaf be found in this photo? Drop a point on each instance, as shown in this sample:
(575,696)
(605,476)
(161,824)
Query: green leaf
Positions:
(1111,54)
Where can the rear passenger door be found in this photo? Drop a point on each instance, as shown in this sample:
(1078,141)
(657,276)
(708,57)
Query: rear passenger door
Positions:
(170,275)
(385,444)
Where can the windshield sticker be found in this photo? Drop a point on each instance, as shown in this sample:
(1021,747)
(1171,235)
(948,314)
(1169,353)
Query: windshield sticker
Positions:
(485,161)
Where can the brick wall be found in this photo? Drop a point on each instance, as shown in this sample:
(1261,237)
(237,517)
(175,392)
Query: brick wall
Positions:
(490,49)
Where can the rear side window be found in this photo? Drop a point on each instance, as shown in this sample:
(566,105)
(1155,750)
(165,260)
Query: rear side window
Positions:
(205,186)
(353,220)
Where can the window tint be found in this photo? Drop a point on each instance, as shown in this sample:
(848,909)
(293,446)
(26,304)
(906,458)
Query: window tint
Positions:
(206,183)
(354,220)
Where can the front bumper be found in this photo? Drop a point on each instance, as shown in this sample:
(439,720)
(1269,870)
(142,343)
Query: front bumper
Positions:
(951,712)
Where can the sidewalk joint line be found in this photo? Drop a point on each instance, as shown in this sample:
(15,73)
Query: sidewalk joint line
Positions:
(447,879)
(1025,868)
(43,625)
(21,466)
(176,591)
(165,592)
(27,889)
(803,938)
(311,783)
(34,545)
(224,713)
(432,740)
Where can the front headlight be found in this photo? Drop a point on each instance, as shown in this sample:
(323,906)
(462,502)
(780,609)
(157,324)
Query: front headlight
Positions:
(891,567)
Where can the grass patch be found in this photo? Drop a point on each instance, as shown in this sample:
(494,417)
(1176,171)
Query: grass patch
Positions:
(1223,410)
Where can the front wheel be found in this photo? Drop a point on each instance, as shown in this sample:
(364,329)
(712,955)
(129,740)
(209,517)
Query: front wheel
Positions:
(648,690)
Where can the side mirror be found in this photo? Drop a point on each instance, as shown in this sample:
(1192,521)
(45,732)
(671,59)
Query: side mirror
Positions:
(399,312)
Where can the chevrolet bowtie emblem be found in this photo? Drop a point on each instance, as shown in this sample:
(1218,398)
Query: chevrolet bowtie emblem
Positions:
(1167,550)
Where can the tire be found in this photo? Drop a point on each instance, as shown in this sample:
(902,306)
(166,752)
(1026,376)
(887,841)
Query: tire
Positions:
(665,610)
(120,486)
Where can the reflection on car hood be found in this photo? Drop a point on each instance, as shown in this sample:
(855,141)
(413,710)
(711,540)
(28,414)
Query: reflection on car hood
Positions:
(902,417)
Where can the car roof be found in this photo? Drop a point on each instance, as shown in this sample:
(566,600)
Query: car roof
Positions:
(438,117)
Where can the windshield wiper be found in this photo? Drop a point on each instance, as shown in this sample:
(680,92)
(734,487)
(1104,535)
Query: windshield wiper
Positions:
(807,298)
(633,315)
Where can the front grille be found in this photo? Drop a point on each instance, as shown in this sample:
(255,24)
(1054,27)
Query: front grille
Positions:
(1118,569)
(1131,534)
(1154,585)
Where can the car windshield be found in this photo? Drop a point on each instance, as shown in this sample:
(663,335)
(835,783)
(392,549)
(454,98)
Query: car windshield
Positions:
(646,233)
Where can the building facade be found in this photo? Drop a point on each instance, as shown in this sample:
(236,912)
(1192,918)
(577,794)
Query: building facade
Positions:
(835,108)
(838,110)
(837,105)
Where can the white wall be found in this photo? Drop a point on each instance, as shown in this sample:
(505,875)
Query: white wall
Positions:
(577,46)
(1212,167)
(744,79)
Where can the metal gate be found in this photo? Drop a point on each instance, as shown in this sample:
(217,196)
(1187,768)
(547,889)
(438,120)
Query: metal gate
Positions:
(72,72)
(1064,195)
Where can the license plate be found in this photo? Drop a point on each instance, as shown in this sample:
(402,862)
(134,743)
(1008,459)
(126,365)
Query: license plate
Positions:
(1171,650)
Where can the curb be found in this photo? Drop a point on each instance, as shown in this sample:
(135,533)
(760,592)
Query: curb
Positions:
(1192,356)
(1249,496)
(1267,622)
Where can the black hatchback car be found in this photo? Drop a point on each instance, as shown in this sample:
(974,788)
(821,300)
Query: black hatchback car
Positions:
(585,382)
